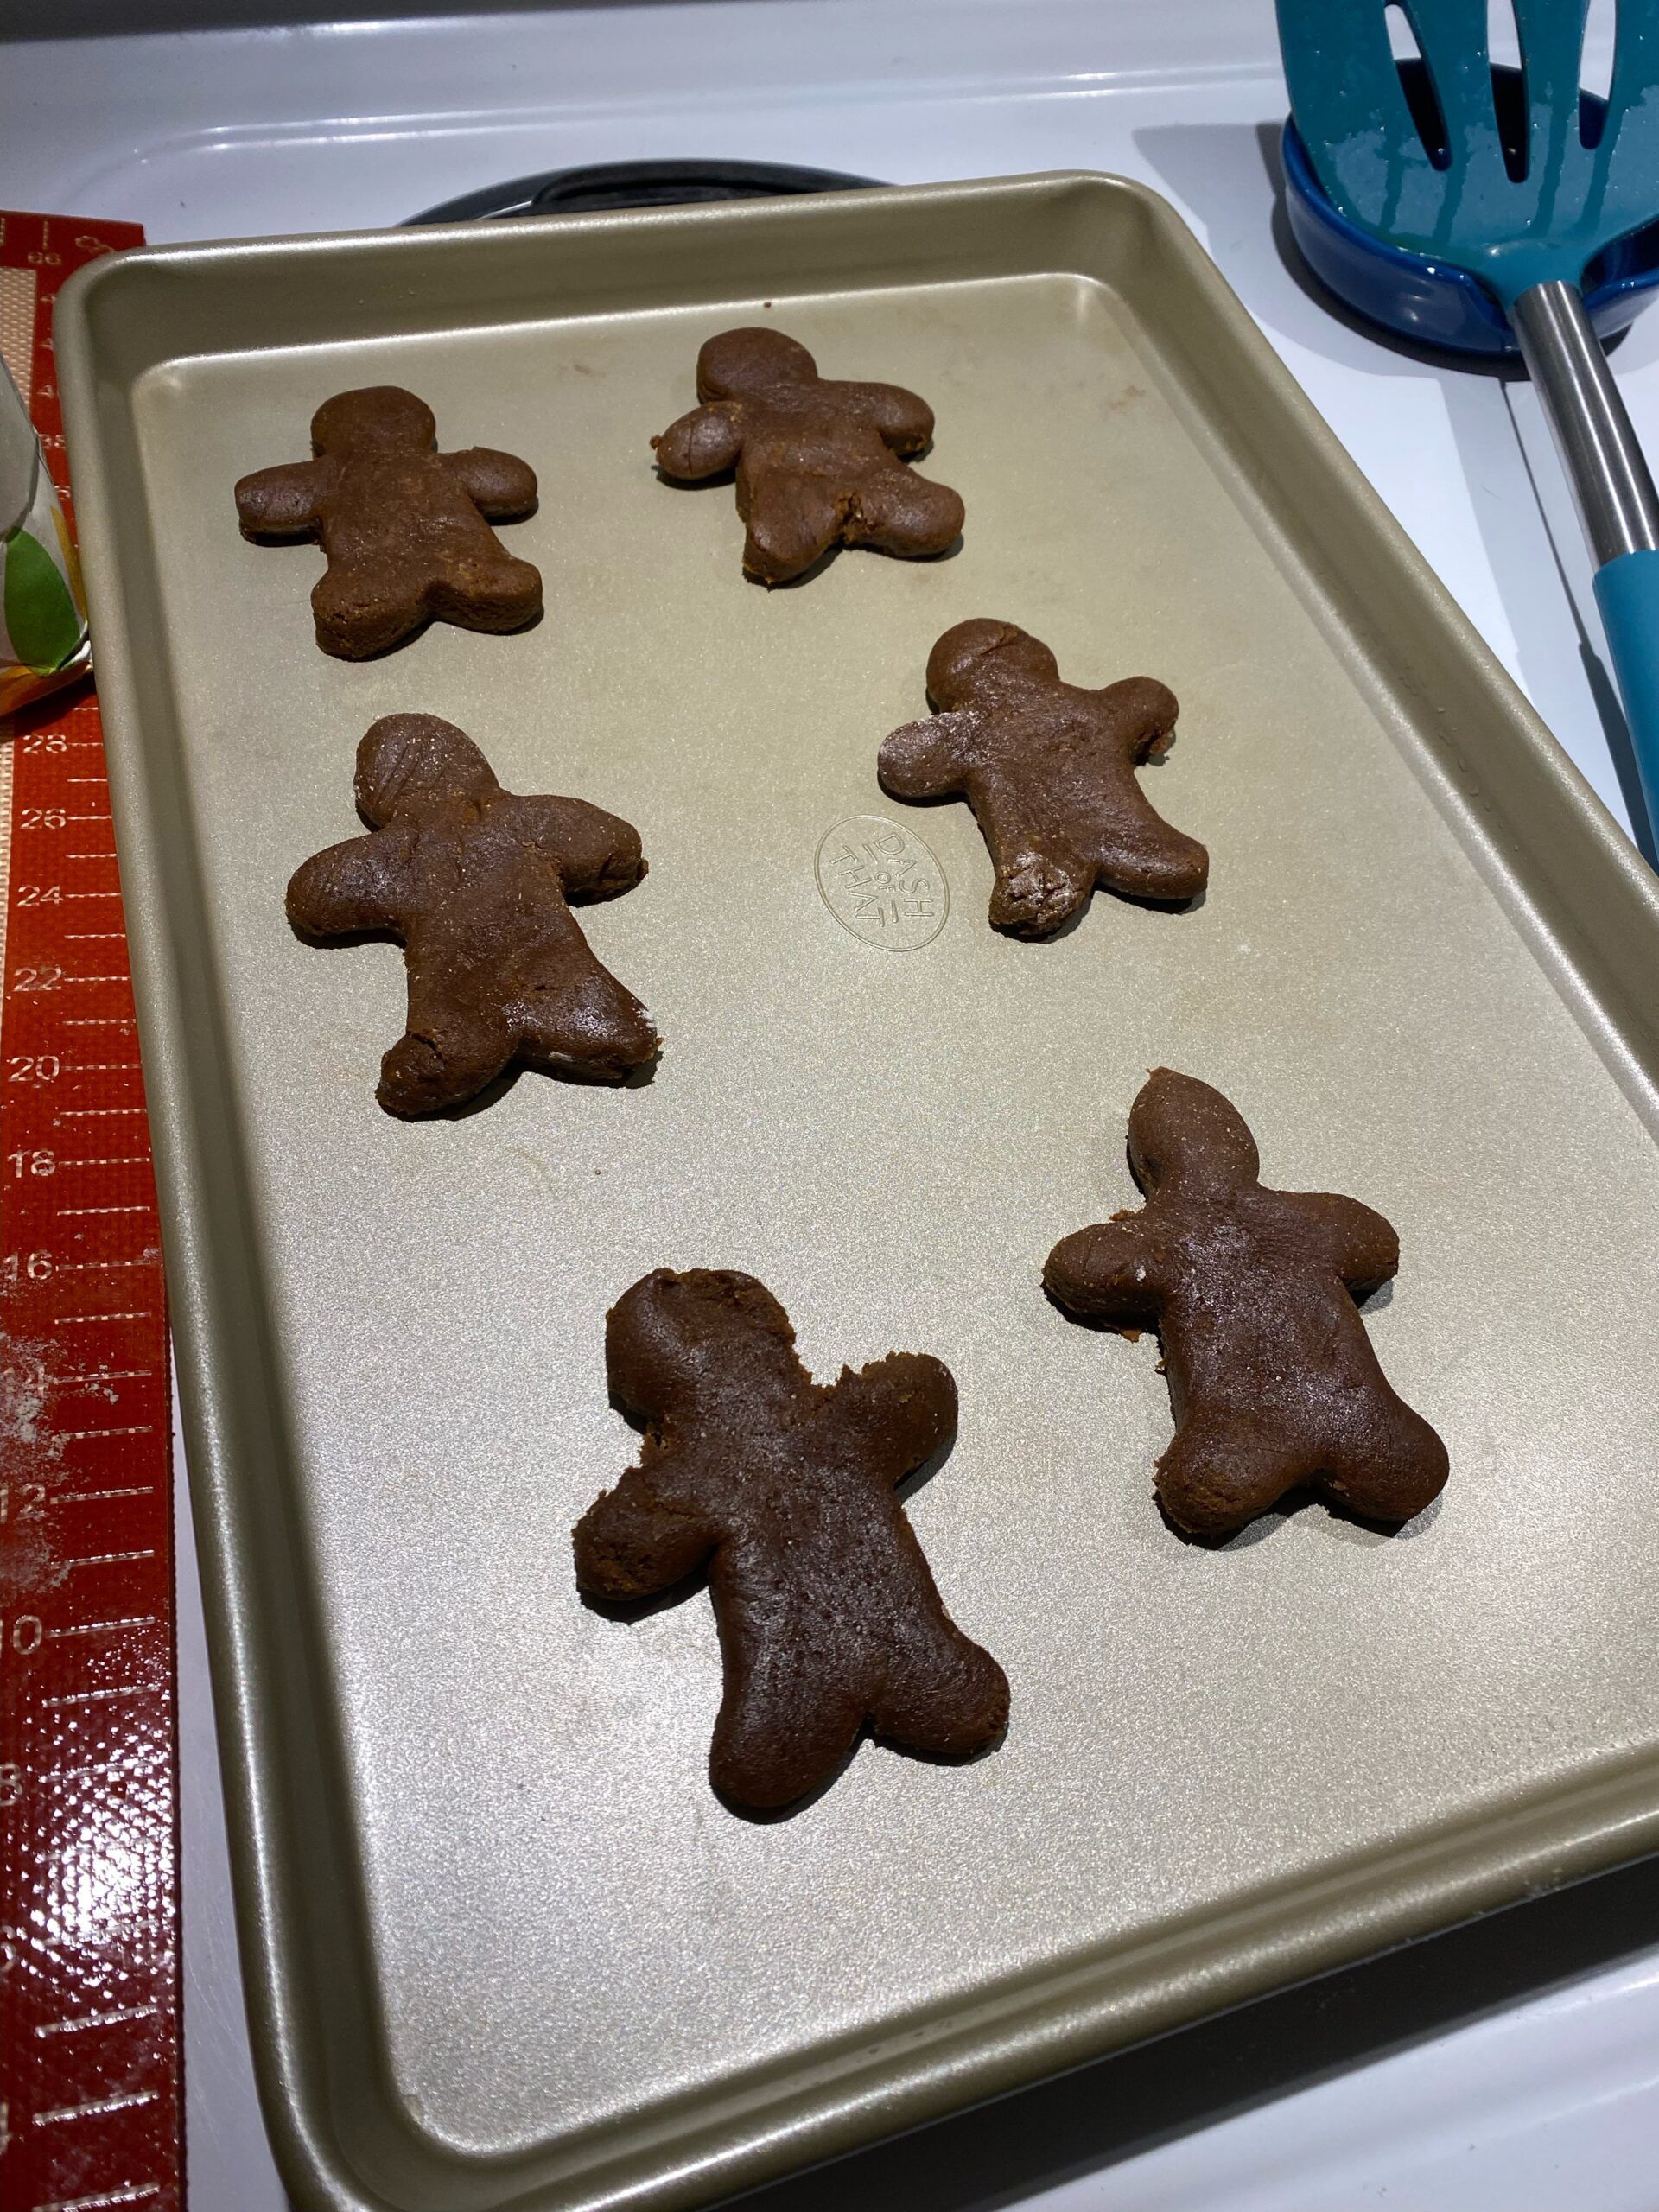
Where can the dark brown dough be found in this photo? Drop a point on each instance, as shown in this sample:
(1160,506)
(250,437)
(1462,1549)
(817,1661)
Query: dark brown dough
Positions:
(1254,1293)
(406,528)
(473,880)
(1049,770)
(818,463)
(829,1617)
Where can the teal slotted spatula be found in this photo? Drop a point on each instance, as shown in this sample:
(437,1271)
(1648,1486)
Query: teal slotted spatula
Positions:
(1520,185)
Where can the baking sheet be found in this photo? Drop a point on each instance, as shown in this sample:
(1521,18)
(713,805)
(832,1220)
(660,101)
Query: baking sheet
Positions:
(504,1945)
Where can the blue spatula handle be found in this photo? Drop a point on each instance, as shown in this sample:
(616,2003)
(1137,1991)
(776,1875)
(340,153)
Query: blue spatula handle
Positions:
(1627,592)
(1616,497)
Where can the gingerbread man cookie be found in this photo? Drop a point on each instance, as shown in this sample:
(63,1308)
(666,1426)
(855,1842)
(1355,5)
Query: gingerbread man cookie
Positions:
(1254,1293)
(1049,770)
(829,1617)
(473,880)
(818,463)
(406,528)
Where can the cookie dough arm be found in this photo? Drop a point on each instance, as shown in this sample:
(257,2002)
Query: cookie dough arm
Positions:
(1108,1274)
(701,443)
(1141,711)
(499,484)
(640,1538)
(598,855)
(896,1413)
(903,421)
(929,759)
(1362,1246)
(281,502)
(350,887)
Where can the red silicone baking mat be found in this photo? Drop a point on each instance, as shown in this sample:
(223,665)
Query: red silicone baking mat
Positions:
(90,2078)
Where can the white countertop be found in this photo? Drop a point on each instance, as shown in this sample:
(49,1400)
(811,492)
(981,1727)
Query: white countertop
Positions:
(1552,2106)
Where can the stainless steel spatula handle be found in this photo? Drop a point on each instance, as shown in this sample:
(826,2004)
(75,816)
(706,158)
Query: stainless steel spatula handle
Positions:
(1617,502)
(1604,465)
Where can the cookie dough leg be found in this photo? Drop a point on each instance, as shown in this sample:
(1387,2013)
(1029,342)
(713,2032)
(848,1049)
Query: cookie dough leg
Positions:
(443,1058)
(902,512)
(590,1023)
(791,522)
(949,1700)
(1037,892)
(357,613)
(780,1734)
(1222,1469)
(497,595)
(1149,859)
(1400,1469)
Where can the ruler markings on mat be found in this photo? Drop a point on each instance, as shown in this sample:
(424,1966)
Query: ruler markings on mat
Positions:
(90,2066)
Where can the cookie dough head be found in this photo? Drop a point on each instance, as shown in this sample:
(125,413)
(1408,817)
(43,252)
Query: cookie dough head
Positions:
(376,415)
(979,660)
(410,759)
(1187,1139)
(739,364)
(674,1343)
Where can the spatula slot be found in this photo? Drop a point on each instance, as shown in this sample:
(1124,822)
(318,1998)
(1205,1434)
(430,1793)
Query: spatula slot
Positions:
(1418,85)
(1502,35)
(1507,55)
(1510,107)
(1596,69)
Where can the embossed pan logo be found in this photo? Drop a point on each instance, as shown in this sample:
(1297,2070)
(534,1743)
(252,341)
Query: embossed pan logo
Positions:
(881,882)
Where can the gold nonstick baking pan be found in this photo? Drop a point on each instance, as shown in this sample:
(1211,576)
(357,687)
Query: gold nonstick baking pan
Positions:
(504,1946)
